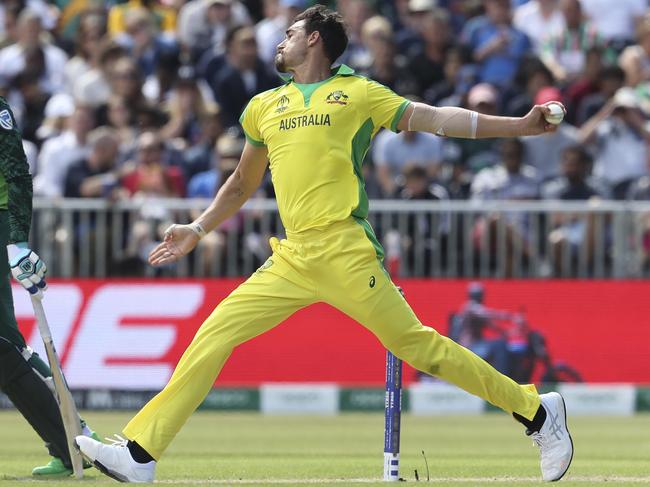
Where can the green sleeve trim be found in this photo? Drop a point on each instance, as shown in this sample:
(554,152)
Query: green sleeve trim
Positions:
(398,115)
(252,141)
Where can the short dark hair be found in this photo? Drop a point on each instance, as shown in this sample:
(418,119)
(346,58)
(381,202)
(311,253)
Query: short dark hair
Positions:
(583,156)
(329,25)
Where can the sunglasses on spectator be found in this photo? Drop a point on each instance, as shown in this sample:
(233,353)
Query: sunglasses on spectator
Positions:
(132,75)
(150,148)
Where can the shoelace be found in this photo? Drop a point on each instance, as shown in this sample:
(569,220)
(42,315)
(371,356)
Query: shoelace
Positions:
(539,440)
(118,441)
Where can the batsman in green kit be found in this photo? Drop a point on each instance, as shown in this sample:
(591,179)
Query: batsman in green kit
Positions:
(314,131)
(24,377)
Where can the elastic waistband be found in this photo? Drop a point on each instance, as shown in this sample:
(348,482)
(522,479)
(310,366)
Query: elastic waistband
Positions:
(322,232)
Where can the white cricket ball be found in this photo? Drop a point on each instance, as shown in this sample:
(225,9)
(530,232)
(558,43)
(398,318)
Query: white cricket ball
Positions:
(557,113)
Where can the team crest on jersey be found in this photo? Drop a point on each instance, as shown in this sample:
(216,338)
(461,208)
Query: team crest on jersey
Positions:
(337,97)
(282,104)
(6,122)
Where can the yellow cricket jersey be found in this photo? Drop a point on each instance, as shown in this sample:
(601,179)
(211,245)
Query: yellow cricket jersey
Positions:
(317,135)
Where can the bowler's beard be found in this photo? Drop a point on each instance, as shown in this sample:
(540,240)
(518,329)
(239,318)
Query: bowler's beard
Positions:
(280,64)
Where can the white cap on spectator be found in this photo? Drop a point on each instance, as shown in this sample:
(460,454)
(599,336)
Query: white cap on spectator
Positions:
(482,93)
(59,105)
(222,2)
(229,145)
(626,97)
(422,5)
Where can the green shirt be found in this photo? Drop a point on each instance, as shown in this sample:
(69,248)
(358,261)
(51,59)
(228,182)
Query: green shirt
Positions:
(15,180)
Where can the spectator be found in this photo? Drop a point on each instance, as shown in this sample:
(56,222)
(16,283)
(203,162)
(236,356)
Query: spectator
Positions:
(615,22)
(204,24)
(509,181)
(163,18)
(538,19)
(497,46)
(94,86)
(386,65)
(374,30)
(59,153)
(635,60)
(145,45)
(409,14)
(355,13)
(121,117)
(58,110)
(532,76)
(586,84)
(270,31)
(427,64)
(200,156)
(205,184)
(95,176)
(621,137)
(88,49)
(426,234)
(460,76)
(565,51)
(393,152)
(574,184)
(150,176)
(125,80)
(8,25)
(476,154)
(241,76)
(30,113)
(544,152)
(459,181)
(609,81)
(185,107)
(572,233)
(42,8)
(20,57)
(168,70)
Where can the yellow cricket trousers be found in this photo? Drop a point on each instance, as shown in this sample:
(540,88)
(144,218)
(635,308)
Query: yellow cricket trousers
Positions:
(338,266)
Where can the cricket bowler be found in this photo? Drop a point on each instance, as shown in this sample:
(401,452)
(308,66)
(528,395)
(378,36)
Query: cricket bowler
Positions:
(314,131)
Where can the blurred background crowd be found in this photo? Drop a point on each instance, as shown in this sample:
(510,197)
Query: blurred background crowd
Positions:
(141,98)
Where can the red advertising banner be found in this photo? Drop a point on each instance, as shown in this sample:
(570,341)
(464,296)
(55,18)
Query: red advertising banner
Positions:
(130,334)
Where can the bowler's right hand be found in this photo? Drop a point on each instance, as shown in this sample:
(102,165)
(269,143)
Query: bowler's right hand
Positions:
(179,240)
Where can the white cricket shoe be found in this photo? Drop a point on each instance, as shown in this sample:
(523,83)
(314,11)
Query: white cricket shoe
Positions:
(115,460)
(553,439)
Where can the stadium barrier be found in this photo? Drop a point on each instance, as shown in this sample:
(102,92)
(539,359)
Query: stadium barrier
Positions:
(450,239)
(420,399)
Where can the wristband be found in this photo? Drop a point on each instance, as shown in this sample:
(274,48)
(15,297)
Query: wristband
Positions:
(198,229)
(14,250)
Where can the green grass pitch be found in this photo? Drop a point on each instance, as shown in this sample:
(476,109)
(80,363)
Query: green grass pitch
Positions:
(252,449)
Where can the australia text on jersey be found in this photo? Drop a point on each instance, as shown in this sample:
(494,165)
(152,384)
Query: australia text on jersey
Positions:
(304,121)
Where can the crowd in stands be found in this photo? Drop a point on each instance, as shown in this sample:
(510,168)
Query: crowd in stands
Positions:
(141,98)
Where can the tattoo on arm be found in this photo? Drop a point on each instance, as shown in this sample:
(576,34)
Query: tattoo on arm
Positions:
(238,192)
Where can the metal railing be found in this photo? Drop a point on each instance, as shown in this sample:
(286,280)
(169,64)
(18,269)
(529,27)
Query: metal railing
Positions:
(97,238)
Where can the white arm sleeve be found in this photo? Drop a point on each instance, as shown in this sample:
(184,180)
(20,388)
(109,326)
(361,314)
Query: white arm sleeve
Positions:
(444,121)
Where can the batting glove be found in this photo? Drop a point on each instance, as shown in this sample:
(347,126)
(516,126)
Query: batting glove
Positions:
(28,269)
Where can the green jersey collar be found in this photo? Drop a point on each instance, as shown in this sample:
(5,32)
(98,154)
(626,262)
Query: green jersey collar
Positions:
(342,70)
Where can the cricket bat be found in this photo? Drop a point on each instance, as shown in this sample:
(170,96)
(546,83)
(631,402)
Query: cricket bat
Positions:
(68,409)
